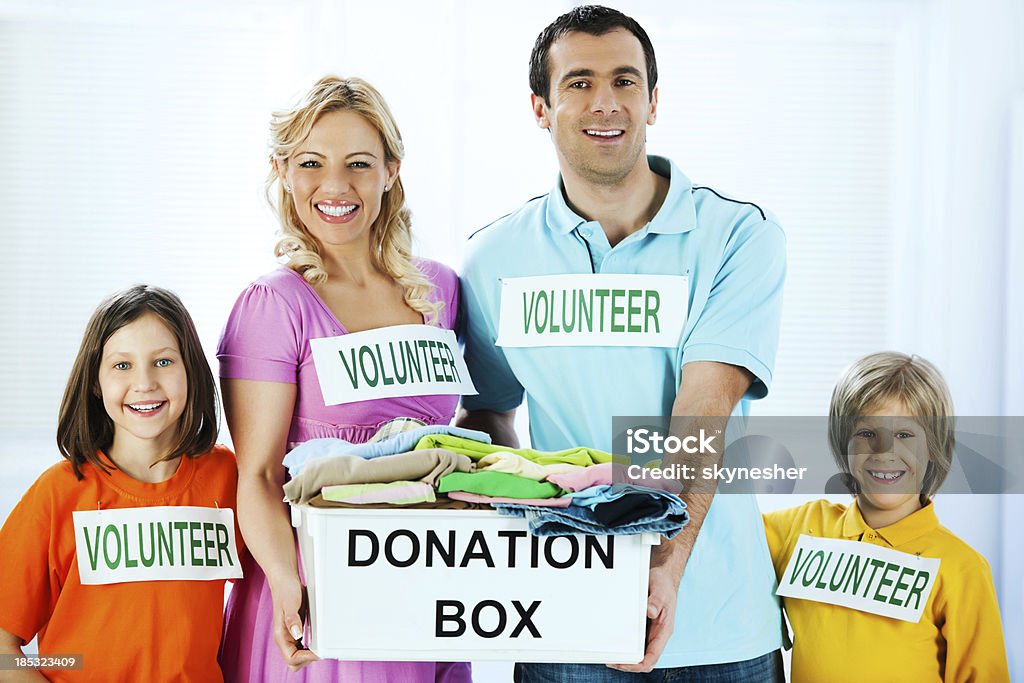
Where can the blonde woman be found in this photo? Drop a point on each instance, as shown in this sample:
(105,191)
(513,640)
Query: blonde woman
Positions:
(335,182)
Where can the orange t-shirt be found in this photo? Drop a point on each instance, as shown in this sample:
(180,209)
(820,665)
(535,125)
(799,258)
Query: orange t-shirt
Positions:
(138,631)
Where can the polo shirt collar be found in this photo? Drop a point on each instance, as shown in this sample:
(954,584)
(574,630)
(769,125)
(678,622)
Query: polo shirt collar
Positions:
(677,214)
(907,529)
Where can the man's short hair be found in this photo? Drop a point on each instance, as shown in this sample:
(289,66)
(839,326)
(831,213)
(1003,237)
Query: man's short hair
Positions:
(596,21)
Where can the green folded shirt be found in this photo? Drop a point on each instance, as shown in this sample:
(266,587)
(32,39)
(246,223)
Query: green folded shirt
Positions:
(584,457)
(498,485)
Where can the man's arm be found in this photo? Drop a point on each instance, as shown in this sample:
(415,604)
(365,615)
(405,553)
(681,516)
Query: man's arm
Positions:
(708,392)
(500,425)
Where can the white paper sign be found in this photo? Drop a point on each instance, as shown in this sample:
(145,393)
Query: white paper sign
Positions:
(168,543)
(468,585)
(861,576)
(593,310)
(402,360)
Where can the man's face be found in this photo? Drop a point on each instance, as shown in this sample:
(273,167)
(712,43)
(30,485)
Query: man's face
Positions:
(598,107)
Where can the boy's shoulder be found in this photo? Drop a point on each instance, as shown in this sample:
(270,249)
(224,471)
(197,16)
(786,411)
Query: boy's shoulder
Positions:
(959,554)
(813,514)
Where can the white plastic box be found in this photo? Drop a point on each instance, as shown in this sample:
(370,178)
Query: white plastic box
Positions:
(458,585)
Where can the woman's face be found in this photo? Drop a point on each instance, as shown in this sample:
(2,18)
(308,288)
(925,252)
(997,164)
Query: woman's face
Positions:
(337,177)
(888,456)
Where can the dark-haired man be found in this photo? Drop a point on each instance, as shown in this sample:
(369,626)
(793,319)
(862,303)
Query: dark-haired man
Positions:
(628,291)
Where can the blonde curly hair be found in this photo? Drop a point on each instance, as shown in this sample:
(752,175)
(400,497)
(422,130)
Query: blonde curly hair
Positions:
(391,235)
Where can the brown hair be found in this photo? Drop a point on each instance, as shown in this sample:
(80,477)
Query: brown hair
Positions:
(914,382)
(83,426)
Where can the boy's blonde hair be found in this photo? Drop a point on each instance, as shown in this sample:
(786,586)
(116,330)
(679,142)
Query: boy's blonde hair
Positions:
(892,376)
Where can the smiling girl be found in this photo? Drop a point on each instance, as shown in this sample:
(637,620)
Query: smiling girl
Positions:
(119,554)
(891,433)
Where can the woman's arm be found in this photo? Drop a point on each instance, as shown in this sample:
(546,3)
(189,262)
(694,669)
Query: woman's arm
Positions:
(259,415)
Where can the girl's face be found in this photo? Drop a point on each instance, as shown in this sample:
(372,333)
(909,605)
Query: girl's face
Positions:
(143,384)
(338,177)
(888,456)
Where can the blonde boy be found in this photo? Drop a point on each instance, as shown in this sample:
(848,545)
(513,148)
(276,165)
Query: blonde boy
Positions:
(891,433)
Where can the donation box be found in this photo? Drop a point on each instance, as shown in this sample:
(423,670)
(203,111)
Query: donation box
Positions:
(463,585)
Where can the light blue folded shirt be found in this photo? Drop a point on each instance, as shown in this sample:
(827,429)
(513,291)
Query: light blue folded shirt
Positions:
(605,493)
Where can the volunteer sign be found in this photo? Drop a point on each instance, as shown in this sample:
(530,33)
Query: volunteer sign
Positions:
(402,360)
(169,543)
(593,310)
(450,585)
(861,576)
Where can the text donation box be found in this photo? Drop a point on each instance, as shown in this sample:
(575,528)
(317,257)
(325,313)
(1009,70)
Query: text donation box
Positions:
(454,585)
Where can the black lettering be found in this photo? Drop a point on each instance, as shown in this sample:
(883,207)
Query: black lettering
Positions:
(574,551)
(477,550)
(447,553)
(525,620)
(456,616)
(592,546)
(502,619)
(414,550)
(353,537)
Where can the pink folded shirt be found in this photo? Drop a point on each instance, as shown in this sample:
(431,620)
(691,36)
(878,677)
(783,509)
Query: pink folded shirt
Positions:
(479,498)
(609,473)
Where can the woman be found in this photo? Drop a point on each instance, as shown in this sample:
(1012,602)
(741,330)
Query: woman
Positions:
(335,178)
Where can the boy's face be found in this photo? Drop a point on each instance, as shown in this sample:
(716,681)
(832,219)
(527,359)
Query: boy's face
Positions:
(888,456)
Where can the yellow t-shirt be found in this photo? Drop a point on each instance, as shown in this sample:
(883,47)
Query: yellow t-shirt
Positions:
(958,639)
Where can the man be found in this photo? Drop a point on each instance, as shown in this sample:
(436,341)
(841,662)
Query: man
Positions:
(641,256)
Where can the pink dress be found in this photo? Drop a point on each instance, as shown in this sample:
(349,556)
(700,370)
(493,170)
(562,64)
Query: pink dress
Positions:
(267,338)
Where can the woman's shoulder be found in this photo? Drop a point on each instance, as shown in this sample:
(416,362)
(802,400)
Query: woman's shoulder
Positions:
(438,273)
(282,280)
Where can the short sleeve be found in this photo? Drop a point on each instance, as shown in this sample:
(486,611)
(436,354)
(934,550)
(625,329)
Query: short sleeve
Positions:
(739,323)
(31,583)
(497,387)
(262,338)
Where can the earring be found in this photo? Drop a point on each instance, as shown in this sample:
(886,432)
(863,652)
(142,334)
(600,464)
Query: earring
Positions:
(286,188)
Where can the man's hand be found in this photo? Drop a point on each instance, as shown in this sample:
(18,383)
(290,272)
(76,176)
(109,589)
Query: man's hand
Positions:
(662,592)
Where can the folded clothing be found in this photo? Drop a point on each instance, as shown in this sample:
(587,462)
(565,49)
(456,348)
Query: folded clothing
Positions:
(395,493)
(314,449)
(442,503)
(476,450)
(491,500)
(513,463)
(660,515)
(610,473)
(596,495)
(426,465)
(497,484)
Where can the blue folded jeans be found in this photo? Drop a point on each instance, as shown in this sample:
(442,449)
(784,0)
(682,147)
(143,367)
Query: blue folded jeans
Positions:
(669,520)
(764,669)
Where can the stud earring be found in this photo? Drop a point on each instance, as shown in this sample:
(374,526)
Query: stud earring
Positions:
(287,189)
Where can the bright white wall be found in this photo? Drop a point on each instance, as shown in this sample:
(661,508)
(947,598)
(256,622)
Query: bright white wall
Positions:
(879,132)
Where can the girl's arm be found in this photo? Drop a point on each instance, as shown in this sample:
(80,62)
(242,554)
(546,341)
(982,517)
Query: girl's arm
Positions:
(259,415)
(10,644)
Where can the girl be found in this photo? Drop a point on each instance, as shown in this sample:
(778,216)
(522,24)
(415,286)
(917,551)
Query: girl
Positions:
(119,554)
(926,610)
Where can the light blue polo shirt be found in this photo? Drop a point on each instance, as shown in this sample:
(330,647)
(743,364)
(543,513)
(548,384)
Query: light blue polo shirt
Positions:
(734,255)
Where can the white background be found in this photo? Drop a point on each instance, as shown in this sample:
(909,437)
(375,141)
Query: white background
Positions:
(888,138)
